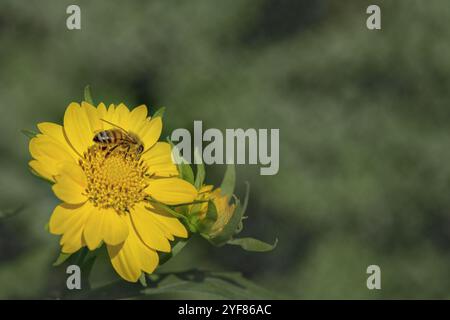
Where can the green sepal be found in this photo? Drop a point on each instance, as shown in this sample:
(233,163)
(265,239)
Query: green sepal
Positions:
(201,173)
(240,225)
(251,244)
(143,280)
(229,181)
(29,133)
(159,112)
(62,258)
(176,248)
(195,202)
(88,95)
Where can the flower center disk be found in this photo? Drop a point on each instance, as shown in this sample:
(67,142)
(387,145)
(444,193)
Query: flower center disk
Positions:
(116,179)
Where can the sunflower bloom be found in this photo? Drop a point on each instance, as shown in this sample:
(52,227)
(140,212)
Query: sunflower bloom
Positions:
(105,190)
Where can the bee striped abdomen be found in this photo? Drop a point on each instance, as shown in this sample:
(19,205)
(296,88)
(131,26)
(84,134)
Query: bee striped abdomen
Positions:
(106,136)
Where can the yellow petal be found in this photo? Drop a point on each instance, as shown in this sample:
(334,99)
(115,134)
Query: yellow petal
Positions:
(149,258)
(169,223)
(159,160)
(105,225)
(206,188)
(101,112)
(70,184)
(148,229)
(93,116)
(137,117)
(56,132)
(70,220)
(65,215)
(132,257)
(77,128)
(50,152)
(160,225)
(75,173)
(61,217)
(44,146)
(68,192)
(123,115)
(52,130)
(150,132)
(171,191)
(111,116)
(42,170)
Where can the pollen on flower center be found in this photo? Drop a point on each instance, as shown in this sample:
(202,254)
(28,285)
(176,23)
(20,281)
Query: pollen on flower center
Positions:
(116,179)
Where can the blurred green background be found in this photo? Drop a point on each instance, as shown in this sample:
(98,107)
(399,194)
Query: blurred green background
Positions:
(363,118)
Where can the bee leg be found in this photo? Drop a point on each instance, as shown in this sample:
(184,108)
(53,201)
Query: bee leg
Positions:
(128,150)
(111,150)
(125,149)
(138,151)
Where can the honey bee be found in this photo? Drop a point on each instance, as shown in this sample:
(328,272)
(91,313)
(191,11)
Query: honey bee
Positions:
(119,138)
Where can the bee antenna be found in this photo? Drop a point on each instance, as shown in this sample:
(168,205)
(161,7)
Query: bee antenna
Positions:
(115,125)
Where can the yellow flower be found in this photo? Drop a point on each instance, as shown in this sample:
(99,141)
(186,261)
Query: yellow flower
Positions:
(224,209)
(104,190)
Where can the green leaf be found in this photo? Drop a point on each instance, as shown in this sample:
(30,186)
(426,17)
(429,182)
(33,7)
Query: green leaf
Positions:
(240,225)
(159,112)
(61,258)
(142,280)
(183,285)
(81,255)
(184,169)
(251,244)
(200,174)
(85,259)
(166,256)
(88,95)
(229,181)
(186,172)
(29,133)
(219,285)
(86,268)
(210,218)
